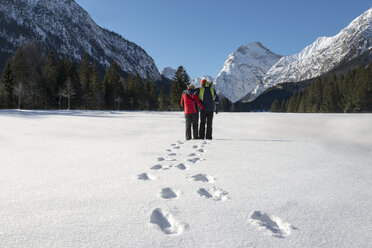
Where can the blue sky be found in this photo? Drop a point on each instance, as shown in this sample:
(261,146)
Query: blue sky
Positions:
(200,34)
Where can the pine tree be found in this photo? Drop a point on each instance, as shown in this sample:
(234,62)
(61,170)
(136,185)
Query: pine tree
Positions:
(330,97)
(50,88)
(8,87)
(63,71)
(76,101)
(275,107)
(68,92)
(129,89)
(85,77)
(97,87)
(302,104)
(282,106)
(180,81)
(35,57)
(162,100)
(112,85)
(21,72)
(291,105)
(317,92)
(138,91)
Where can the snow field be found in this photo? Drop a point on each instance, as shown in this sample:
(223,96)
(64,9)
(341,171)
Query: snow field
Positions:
(128,179)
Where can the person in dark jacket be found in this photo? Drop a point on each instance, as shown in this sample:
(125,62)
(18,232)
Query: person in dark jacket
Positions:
(209,99)
(189,101)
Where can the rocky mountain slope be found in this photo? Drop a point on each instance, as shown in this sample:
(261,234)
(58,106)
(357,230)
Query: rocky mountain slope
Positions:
(67,28)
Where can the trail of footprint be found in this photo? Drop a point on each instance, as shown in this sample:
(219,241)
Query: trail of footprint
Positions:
(166,222)
(214,194)
(168,193)
(146,177)
(272,224)
(203,178)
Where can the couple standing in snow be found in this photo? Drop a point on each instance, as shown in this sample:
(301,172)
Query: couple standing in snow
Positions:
(206,98)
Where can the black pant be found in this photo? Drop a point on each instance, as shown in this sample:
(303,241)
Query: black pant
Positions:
(206,117)
(192,119)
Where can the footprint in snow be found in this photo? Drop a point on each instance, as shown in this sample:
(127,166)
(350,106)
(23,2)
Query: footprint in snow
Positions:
(177,147)
(271,224)
(168,193)
(166,222)
(195,146)
(203,178)
(180,142)
(172,154)
(173,144)
(213,193)
(181,166)
(192,155)
(201,150)
(166,159)
(156,167)
(168,150)
(194,160)
(146,177)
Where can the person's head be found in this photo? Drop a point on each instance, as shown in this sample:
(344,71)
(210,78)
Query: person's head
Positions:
(206,83)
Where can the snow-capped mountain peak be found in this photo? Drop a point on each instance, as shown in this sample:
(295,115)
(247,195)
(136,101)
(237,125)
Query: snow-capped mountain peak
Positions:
(244,70)
(197,81)
(168,72)
(324,54)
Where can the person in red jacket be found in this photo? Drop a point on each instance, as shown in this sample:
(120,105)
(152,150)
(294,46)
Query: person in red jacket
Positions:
(189,102)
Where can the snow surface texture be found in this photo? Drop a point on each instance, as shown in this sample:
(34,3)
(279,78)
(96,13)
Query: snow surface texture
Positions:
(68,28)
(244,71)
(128,179)
(252,69)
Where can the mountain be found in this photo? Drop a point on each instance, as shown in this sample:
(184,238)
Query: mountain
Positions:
(322,56)
(196,81)
(252,69)
(67,28)
(244,71)
(168,72)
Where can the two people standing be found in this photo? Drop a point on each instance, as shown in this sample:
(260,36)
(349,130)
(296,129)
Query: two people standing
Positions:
(207,100)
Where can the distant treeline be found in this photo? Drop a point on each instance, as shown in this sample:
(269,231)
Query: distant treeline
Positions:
(334,94)
(36,79)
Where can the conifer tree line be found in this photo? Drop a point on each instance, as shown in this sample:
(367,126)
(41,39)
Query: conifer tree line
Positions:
(348,93)
(36,79)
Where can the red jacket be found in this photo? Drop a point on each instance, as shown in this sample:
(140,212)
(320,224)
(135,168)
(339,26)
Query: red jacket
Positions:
(188,103)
